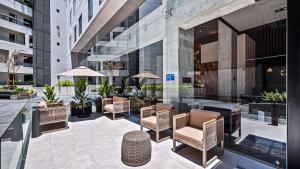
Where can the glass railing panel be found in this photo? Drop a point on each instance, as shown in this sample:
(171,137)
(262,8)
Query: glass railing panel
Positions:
(15,139)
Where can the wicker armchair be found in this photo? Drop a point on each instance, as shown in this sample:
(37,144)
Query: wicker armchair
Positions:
(199,129)
(157,118)
(116,105)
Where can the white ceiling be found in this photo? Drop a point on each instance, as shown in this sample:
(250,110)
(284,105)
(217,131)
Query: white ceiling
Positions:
(260,13)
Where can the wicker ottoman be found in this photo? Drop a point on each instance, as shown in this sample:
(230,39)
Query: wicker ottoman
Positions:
(136,148)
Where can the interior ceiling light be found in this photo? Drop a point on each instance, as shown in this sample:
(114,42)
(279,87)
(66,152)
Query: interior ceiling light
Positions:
(280,9)
(269,70)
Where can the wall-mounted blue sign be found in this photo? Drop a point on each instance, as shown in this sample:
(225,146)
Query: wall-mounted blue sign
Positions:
(170,77)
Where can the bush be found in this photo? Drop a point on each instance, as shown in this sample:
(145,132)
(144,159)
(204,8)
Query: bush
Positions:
(50,96)
(65,83)
(275,97)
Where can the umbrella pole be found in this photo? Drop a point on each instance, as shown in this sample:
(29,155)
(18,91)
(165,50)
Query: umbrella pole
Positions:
(58,78)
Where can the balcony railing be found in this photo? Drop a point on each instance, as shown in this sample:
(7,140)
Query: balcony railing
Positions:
(15,138)
(15,20)
(25,2)
(13,41)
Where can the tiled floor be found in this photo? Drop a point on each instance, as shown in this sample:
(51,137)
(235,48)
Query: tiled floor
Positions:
(96,144)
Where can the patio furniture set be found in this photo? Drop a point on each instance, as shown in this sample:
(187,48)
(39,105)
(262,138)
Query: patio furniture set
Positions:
(199,129)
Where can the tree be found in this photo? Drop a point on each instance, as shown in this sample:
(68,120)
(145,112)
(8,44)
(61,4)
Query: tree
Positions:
(11,63)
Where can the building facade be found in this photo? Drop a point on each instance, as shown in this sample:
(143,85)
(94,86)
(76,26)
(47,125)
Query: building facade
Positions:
(16,41)
(228,56)
(50,49)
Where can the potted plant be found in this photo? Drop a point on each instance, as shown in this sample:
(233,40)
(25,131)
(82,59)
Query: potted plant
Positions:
(50,111)
(66,86)
(124,88)
(104,91)
(273,103)
(81,107)
(50,97)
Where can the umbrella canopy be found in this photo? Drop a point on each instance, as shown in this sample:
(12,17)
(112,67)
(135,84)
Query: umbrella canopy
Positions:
(81,71)
(146,75)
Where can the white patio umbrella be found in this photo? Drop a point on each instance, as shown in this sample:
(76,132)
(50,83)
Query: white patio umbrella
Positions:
(81,71)
(146,75)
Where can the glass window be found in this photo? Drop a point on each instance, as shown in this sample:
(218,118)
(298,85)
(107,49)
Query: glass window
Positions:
(12,37)
(90,9)
(74,7)
(75,34)
(70,17)
(80,24)
(58,31)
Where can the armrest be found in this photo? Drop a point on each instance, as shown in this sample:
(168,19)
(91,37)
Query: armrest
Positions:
(209,134)
(180,120)
(121,106)
(146,111)
(164,119)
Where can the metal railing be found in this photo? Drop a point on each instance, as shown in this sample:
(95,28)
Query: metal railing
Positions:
(14,141)
(15,20)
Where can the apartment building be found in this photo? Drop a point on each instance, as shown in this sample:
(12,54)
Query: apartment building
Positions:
(16,39)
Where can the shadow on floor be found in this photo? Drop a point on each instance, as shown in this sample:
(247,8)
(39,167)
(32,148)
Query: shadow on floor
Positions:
(195,155)
(92,116)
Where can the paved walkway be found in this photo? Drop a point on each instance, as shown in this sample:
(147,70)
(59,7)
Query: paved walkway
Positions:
(95,143)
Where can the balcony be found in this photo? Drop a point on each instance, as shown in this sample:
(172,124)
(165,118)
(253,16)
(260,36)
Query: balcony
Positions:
(14,20)
(16,41)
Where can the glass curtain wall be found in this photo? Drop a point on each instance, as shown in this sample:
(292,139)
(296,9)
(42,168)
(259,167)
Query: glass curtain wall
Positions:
(233,64)
(132,47)
(223,56)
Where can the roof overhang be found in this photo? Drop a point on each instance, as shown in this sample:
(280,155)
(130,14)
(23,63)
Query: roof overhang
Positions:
(110,15)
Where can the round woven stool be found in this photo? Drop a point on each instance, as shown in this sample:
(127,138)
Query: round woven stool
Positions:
(136,148)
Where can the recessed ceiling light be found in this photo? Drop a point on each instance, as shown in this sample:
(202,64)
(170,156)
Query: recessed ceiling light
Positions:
(281,9)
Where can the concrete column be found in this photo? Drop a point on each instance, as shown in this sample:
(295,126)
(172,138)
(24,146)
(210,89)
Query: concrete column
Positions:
(178,60)
(227,62)
(245,65)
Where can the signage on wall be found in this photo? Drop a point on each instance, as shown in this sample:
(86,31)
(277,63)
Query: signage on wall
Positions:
(170,77)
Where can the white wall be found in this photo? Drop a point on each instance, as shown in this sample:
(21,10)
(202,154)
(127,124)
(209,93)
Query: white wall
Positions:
(58,52)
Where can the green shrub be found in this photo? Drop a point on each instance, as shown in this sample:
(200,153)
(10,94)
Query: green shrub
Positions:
(105,89)
(65,83)
(275,97)
(50,96)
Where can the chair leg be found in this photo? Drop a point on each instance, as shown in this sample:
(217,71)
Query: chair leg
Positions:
(174,145)
(114,116)
(141,128)
(204,158)
(222,146)
(157,136)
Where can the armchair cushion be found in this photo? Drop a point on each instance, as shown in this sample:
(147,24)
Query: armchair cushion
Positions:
(149,121)
(118,99)
(198,117)
(109,107)
(191,135)
(162,106)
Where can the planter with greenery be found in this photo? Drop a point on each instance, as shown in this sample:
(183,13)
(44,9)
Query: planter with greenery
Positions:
(81,107)
(273,104)
(50,111)
(50,97)
(66,87)
(16,93)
